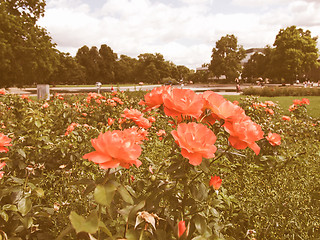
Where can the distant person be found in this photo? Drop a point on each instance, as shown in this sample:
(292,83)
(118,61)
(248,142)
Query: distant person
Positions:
(237,84)
(238,88)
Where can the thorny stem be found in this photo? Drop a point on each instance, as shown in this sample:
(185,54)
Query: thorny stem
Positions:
(106,177)
(141,234)
(99,218)
(194,212)
(100,208)
(25,183)
(216,159)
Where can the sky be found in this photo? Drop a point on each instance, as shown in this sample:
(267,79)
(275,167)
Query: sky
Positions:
(183,31)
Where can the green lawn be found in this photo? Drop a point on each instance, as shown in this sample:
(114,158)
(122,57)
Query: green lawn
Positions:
(286,101)
(103,85)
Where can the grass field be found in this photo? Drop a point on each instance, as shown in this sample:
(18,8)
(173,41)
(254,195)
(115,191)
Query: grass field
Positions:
(104,85)
(286,101)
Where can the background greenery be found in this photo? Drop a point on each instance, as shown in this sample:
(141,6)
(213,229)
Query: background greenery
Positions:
(28,56)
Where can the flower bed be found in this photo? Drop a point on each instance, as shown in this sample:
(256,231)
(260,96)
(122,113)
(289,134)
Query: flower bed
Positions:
(167,164)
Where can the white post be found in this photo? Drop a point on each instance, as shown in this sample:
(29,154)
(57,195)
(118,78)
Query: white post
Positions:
(98,85)
(43,92)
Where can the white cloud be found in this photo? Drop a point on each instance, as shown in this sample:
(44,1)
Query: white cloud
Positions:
(184,31)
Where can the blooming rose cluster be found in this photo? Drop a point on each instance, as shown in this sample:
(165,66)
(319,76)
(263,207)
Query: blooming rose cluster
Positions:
(208,107)
(297,103)
(195,138)
(71,127)
(96,96)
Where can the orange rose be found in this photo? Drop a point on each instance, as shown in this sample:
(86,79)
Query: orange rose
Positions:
(286,118)
(154,99)
(196,141)
(110,121)
(274,139)
(115,148)
(215,182)
(182,102)
(297,102)
(243,133)
(269,110)
(305,101)
(181,228)
(2,164)
(212,102)
(4,141)
(137,117)
(269,103)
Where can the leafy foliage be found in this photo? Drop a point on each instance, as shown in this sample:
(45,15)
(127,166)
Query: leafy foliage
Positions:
(49,191)
(226,57)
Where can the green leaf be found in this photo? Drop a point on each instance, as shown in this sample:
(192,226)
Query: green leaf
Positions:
(199,238)
(200,224)
(39,192)
(37,123)
(103,227)
(4,216)
(125,194)
(24,206)
(9,207)
(27,222)
(21,152)
(136,208)
(103,194)
(80,224)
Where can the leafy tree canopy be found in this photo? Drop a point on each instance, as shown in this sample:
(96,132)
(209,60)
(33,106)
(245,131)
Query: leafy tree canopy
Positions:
(27,54)
(226,57)
(295,53)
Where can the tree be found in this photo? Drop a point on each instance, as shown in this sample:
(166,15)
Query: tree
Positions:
(89,59)
(156,62)
(295,53)
(69,71)
(107,64)
(255,67)
(125,69)
(27,55)
(226,57)
(29,10)
(184,72)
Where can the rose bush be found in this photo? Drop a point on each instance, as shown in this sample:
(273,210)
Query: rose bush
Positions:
(198,167)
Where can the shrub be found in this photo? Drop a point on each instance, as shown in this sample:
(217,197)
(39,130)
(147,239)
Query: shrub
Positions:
(281,91)
(49,191)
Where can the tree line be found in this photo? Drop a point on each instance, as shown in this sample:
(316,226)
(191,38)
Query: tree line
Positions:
(294,56)
(28,56)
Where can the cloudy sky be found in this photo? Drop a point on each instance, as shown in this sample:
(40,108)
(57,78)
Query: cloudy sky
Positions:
(183,31)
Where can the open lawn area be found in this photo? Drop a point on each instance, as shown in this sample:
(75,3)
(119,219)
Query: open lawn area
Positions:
(286,101)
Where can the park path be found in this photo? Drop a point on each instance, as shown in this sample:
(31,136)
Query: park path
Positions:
(226,89)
